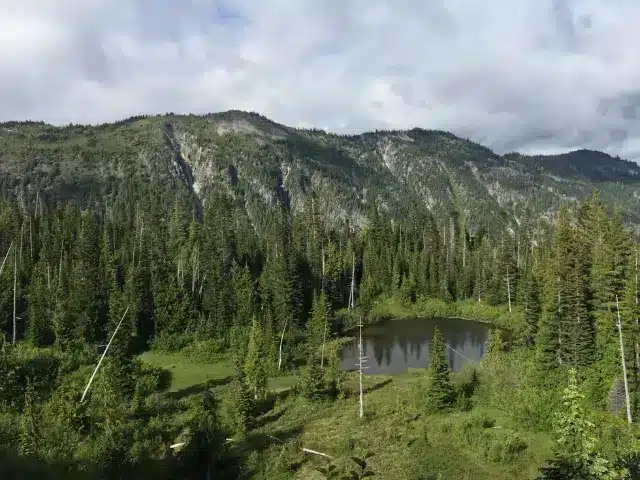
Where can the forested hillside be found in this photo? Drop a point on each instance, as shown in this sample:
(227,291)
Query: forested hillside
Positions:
(258,161)
(236,242)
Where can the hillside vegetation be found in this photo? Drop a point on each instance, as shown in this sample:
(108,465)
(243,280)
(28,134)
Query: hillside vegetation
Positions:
(221,256)
(259,161)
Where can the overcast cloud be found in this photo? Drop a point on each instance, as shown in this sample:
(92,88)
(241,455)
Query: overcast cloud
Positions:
(527,75)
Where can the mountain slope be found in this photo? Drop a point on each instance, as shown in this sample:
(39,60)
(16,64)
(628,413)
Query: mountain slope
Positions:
(260,162)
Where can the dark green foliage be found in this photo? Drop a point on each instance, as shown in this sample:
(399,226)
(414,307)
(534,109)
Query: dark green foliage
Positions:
(242,403)
(255,365)
(440,394)
(40,327)
(29,434)
(532,309)
(312,384)
(319,329)
(495,345)
(364,469)
(577,457)
(64,326)
(253,260)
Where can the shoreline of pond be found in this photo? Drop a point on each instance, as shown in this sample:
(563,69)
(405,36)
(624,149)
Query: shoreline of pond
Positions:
(383,321)
(390,309)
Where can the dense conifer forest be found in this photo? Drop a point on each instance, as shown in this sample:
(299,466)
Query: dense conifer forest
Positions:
(151,273)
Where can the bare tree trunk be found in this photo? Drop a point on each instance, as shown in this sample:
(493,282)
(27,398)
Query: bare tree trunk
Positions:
(624,365)
(30,241)
(446,247)
(360,361)
(637,324)
(560,324)
(5,258)
(313,220)
(464,249)
(15,282)
(202,285)
(194,270)
(324,333)
(21,238)
(324,338)
(532,247)
(103,354)
(60,266)
(323,267)
(353,281)
(284,329)
(508,289)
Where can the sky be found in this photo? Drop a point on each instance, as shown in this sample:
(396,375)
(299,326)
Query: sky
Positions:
(541,76)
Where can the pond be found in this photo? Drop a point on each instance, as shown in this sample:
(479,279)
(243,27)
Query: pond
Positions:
(396,345)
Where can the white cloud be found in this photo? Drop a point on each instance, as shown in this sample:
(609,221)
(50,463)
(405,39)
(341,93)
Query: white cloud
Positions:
(531,75)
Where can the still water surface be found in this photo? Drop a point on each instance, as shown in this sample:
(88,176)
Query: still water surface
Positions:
(396,345)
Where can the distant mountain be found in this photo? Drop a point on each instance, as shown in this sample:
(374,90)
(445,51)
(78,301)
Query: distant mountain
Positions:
(260,162)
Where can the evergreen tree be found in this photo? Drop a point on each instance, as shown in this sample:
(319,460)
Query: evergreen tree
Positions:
(40,327)
(254,367)
(495,345)
(440,394)
(242,405)
(334,375)
(243,296)
(312,381)
(172,306)
(29,424)
(276,296)
(85,301)
(532,308)
(120,367)
(64,325)
(577,455)
(547,338)
(630,316)
(318,328)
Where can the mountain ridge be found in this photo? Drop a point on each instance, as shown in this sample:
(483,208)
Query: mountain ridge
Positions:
(257,160)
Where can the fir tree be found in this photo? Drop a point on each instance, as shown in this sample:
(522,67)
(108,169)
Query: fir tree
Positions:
(243,296)
(29,424)
(242,405)
(254,367)
(120,366)
(440,394)
(64,326)
(312,381)
(318,328)
(532,309)
(577,455)
(495,345)
(334,375)
(547,338)
(40,326)
(85,301)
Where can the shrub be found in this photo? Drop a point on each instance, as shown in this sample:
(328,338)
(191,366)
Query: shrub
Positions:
(171,342)
(205,351)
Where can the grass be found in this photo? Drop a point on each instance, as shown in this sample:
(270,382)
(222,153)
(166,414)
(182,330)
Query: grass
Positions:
(190,376)
(187,374)
(408,444)
(505,432)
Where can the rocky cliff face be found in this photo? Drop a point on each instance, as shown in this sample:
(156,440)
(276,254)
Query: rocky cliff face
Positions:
(260,162)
